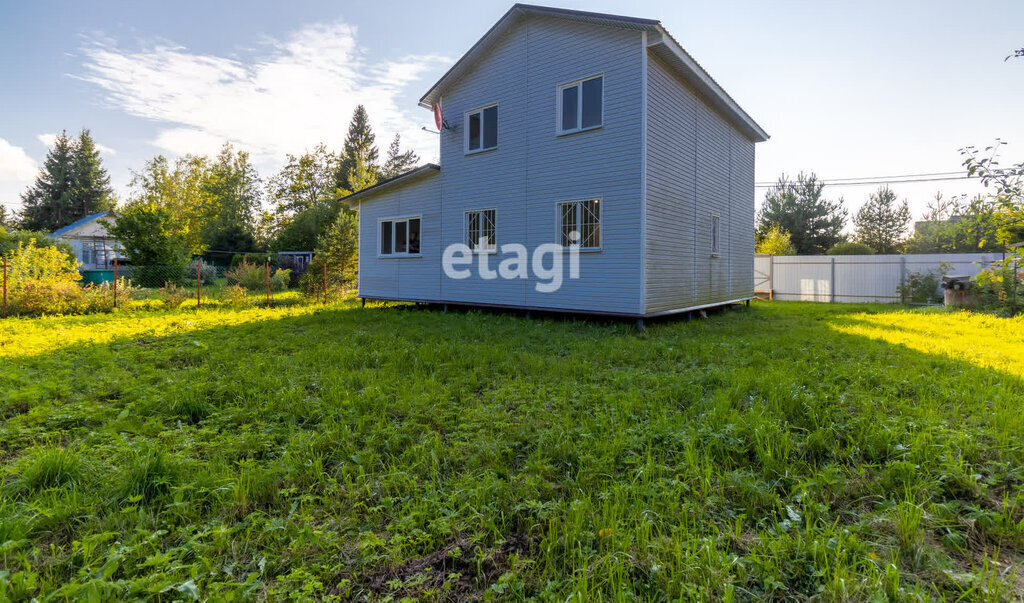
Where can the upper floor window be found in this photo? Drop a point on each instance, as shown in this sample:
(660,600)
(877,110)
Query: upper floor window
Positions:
(581,105)
(481,230)
(579,223)
(400,237)
(482,129)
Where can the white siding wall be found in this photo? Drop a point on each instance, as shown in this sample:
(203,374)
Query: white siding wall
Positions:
(698,166)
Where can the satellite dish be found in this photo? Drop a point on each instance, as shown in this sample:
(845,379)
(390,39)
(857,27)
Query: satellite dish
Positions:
(438,116)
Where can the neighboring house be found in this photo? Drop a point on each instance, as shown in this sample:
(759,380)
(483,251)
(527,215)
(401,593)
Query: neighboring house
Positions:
(594,134)
(93,247)
(296,261)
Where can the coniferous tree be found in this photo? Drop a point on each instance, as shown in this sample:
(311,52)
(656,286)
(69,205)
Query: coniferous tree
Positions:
(397,161)
(882,222)
(358,168)
(71,185)
(46,205)
(8,219)
(91,192)
(814,223)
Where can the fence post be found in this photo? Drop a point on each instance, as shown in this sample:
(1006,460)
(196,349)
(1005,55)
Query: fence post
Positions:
(832,287)
(771,277)
(115,283)
(5,286)
(903,276)
(199,283)
(268,283)
(325,283)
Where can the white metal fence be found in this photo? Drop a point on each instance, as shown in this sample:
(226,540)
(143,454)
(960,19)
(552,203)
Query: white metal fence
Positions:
(855,278)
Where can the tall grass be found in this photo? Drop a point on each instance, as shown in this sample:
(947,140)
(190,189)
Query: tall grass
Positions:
(788,451)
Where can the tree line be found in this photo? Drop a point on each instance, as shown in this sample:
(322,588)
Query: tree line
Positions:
(797,217)
(199,205)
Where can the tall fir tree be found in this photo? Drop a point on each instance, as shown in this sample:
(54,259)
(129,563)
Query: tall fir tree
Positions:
(397,161)
(46,205)
(358,168)
(71,185)
(8,219)
(814,223)
(882,222)
(91,192)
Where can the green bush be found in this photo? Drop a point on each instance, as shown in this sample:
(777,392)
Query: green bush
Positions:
(254,277)
(922,287)
(1000,286)
(44,280)
(9,240)
(850,248)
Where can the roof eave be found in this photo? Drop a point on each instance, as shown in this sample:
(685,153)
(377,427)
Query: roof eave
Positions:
(665,46)
(402,179)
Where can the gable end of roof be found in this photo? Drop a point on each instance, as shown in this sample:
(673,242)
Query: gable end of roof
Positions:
(660,42)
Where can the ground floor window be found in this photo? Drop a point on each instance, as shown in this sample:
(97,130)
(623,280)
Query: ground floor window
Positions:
(400,236)
(481,229)
(579,223)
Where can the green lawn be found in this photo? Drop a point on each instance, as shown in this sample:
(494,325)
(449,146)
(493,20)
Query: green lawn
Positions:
(786,451)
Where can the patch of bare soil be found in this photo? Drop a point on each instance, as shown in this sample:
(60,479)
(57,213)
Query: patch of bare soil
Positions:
(460,571)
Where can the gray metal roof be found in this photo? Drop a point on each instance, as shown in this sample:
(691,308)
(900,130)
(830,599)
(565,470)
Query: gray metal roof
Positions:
(660,42)
(414,174)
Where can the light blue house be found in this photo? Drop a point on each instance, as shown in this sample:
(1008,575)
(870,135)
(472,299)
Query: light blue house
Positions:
(92,245)
(588,164)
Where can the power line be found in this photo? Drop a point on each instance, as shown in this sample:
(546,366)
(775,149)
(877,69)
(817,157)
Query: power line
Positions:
(852,182)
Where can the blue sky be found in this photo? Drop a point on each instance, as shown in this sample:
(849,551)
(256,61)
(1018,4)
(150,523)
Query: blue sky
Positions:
(846,89)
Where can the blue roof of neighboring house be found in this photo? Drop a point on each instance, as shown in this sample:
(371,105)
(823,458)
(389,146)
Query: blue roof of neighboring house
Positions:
(78,223)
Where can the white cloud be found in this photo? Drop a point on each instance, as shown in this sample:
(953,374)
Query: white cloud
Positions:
(17,171)
(301,92)
(49,139)
(15,164)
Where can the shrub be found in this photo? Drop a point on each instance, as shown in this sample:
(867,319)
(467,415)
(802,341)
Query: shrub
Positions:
(207,273)
(775,242)
(850,248)
(1000,286)
(254,277)
(922,287)
(234,296)
(44,280)
(174,295)
(10,239)
(30,263)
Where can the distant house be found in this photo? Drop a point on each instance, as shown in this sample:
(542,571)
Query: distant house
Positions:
(296,261)
(589,141)
(93,246)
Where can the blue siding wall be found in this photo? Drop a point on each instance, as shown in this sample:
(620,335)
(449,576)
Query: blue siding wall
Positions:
(402,277)
(533,169)
(698,166)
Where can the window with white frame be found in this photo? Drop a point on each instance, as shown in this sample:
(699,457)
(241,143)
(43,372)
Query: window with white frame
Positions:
(400,237)
(581,105)
(482,129)
(579,223)
(716,237)
(481,230)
